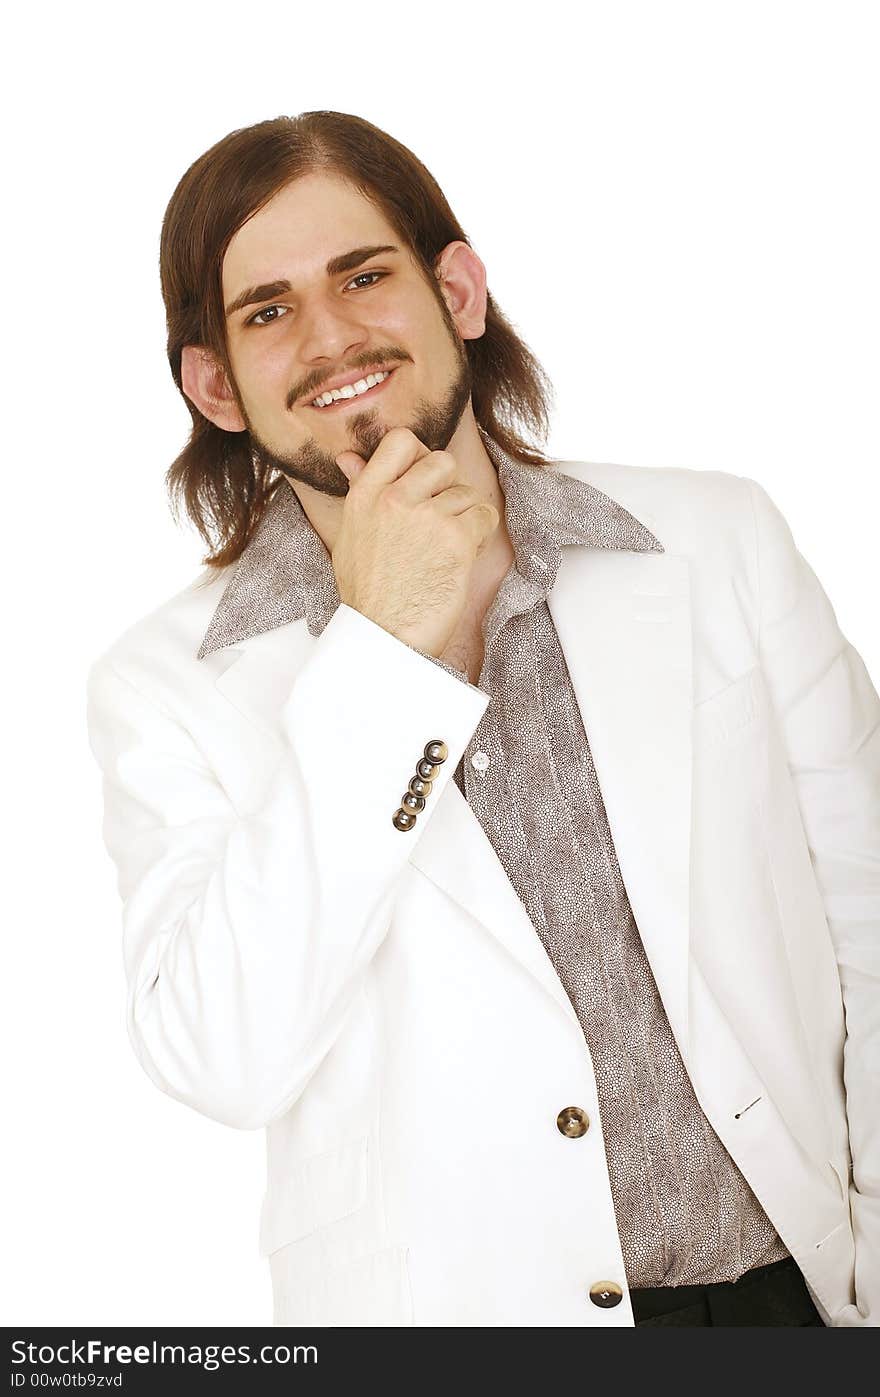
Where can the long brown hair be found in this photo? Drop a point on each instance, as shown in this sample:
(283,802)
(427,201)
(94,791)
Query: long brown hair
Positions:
(223,488)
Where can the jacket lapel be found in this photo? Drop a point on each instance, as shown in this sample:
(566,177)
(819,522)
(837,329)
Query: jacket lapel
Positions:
(623,621)
(256,673)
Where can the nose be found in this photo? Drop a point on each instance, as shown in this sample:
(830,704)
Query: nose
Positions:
(329,333)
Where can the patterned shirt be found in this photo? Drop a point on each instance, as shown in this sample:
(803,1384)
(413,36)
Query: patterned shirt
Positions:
(685,1213)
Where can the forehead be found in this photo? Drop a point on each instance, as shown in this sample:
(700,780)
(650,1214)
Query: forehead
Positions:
(306,223)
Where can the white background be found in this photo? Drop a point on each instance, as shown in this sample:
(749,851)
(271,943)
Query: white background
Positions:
(677,204)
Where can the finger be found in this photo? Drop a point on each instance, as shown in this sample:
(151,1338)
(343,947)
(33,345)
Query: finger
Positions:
(397,451)
(482,520)
(350,463)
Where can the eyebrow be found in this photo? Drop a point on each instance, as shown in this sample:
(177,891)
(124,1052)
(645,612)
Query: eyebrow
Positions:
(346,262)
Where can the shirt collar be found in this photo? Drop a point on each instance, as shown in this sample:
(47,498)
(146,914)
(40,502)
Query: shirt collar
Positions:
(285,572)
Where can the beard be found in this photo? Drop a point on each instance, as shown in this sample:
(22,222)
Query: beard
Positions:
(434,423)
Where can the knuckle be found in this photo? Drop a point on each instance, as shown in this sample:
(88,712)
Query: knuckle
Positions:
(394,494)
(400,434)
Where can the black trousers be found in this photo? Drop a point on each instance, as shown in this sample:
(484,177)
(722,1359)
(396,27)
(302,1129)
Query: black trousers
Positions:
(774,1294)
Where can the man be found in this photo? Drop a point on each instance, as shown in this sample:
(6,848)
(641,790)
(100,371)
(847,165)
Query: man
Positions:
(501,834)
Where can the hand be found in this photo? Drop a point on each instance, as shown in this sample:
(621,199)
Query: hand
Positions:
(409,539)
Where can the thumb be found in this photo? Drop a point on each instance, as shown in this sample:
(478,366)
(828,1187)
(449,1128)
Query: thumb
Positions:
(350,463)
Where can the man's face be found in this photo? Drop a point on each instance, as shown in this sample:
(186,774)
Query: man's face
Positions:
(287,345)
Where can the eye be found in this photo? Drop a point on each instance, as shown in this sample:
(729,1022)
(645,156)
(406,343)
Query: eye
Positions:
(255,319)
(363,274)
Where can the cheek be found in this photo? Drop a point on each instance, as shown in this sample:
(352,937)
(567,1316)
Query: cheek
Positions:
(393,326)
(268,367)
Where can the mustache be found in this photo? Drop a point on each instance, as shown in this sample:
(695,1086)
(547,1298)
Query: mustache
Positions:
(392,356)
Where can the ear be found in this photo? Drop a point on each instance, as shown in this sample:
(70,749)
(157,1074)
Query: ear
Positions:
(205,383)
(462,279)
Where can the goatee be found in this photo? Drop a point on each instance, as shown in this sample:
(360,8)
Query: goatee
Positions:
(433,423)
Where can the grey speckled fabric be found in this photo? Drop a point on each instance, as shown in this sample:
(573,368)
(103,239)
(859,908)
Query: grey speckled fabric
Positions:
(684,1211)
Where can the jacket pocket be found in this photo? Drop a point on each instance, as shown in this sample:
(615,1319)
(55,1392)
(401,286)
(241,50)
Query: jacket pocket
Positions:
(316,1191)
(733,710)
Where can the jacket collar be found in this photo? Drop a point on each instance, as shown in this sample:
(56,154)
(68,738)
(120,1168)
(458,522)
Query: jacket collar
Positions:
(285,572)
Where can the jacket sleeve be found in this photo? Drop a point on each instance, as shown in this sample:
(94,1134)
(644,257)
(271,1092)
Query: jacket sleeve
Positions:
(830,719)
(246,938)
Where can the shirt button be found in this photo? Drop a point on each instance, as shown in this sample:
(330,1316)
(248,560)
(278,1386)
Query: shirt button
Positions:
(480,761)
(573,1121)
(606,1294)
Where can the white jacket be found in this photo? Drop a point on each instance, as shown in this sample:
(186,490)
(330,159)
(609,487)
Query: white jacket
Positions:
(380,1001)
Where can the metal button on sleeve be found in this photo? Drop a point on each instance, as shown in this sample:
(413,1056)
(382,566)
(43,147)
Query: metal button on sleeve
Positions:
(606,1294)
(436,751)
(414,798)
(573,1121)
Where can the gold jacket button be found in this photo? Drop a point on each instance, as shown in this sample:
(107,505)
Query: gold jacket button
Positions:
(403,820)
(436,751)
(606,1294)
(573,1121)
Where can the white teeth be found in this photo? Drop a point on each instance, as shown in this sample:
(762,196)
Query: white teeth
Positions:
(351,390)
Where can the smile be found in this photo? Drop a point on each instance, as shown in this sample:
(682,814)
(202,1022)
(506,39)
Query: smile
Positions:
(367,387)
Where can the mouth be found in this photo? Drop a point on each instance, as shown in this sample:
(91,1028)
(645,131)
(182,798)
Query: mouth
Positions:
(354,396)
